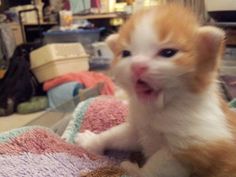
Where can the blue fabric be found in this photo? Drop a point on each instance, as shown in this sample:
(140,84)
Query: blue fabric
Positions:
(63,93)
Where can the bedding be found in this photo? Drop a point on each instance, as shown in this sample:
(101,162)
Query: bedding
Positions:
(37,151)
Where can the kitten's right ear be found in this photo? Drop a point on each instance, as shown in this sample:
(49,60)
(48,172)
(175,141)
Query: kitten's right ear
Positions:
(112,42)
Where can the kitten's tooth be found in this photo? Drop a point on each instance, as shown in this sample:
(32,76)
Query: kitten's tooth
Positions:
(160,100)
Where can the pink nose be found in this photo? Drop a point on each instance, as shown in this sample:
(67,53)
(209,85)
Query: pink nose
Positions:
(138,69)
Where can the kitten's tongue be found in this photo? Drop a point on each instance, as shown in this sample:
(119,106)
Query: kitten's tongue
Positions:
(142,86)
(145,91)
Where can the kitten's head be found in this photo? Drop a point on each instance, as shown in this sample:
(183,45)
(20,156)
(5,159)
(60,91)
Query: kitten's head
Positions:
(163,52)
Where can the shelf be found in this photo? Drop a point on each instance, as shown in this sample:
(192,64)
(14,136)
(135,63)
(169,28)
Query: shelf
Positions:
(225,24)
(230,29)
(42,23)
(100,16)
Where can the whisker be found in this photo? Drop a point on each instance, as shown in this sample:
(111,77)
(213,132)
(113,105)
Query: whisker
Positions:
(159,76)
(187,72)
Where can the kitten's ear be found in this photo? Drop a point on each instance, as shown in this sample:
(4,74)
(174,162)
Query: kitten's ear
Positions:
(210,46)
(209,51)
(112,41)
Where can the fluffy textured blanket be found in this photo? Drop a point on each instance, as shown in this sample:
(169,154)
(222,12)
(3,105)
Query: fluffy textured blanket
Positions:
(38,152)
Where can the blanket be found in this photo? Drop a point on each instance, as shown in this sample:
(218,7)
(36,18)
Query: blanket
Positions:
(37,151)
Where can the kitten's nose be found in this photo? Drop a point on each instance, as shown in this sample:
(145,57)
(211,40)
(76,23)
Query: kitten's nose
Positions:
(138,69)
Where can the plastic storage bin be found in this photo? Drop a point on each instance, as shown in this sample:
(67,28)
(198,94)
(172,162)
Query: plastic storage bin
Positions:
(54,60)
(84,36)
(228,64)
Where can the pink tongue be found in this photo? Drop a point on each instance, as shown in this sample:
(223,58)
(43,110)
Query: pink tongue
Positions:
(143,87)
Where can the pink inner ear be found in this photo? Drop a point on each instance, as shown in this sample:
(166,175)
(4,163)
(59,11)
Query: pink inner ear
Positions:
(112,41)
(210,43)
(211,38)
(209,46)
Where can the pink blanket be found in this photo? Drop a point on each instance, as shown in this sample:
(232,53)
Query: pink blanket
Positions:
(38,152)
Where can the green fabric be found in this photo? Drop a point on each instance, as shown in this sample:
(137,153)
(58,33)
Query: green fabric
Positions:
(6,136)
(35,104)
(232,103)
(74,125)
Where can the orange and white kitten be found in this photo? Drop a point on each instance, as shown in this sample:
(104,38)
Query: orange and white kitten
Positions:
(168,64)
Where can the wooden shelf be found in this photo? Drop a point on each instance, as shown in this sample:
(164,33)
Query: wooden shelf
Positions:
(225,24)
(100,16)
(42,23)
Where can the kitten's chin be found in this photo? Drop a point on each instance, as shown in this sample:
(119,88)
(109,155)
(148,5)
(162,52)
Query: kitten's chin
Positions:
(145,93)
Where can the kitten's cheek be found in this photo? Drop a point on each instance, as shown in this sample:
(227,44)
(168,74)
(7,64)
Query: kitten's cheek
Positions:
(160,101)
(122,74)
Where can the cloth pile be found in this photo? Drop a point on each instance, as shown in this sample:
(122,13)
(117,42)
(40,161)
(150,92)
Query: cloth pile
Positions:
(67,87)
(37,151)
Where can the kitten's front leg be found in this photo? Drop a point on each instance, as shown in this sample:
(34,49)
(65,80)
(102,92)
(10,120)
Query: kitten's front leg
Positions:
(121,137)
(161,164)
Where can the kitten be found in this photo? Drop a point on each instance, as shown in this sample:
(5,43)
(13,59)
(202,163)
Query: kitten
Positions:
(168,64)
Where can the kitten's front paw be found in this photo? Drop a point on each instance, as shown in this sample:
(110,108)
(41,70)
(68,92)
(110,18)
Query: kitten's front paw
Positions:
(132,169)
(90,142)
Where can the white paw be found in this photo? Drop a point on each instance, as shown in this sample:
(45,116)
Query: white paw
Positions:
(132,169)
(90,142)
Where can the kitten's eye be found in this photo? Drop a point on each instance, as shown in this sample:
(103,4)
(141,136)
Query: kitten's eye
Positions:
(167,53)
(126,53)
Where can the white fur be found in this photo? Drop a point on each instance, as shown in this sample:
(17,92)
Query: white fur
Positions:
(188,120)
(121,137)
(144,35)
(195,120)
(179,120)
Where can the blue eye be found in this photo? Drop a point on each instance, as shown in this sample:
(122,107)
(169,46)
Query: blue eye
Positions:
(167,53)
(126,53)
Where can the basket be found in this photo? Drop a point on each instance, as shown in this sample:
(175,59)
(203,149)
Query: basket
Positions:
(53,60)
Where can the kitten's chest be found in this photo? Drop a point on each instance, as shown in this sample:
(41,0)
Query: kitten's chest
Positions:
(150,139)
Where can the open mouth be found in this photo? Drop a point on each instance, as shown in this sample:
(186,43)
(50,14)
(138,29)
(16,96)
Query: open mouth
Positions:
(145,91)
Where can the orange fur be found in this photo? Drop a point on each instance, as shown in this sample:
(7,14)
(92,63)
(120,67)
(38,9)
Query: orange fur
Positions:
(208,58)
(181,20)
(210,160)
(184,38)
(230,115)
(202,54)
(124,35)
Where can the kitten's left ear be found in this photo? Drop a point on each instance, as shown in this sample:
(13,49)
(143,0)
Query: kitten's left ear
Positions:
(211,37)
(209,51)
(112,42)
(210,46)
